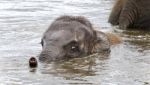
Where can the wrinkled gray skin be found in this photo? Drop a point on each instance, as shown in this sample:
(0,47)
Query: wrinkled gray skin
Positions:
(131,14)
(70,37)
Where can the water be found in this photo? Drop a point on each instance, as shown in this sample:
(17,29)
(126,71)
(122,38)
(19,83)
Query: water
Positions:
(22,23)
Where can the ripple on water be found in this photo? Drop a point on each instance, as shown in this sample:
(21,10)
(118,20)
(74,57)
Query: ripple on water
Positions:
(23,23)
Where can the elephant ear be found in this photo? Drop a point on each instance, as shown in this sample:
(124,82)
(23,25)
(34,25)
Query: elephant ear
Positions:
(102,43)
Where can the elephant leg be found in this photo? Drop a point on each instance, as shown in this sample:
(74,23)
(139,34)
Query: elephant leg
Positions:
(115,13)
(129,14)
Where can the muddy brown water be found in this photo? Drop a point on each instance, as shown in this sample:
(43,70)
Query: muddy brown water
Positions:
(22,23)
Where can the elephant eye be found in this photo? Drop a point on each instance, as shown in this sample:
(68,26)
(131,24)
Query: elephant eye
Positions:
(74,48)
(42,42)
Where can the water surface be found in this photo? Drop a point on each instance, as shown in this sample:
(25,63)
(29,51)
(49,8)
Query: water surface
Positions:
(22,23)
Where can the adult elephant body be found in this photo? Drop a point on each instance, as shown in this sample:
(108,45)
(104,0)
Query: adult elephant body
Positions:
(131,14)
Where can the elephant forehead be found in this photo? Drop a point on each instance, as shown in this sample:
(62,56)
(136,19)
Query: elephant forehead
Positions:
(61,34)
(64,36)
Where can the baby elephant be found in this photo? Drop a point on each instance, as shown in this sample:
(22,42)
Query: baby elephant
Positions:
(131,14)
(71,37)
